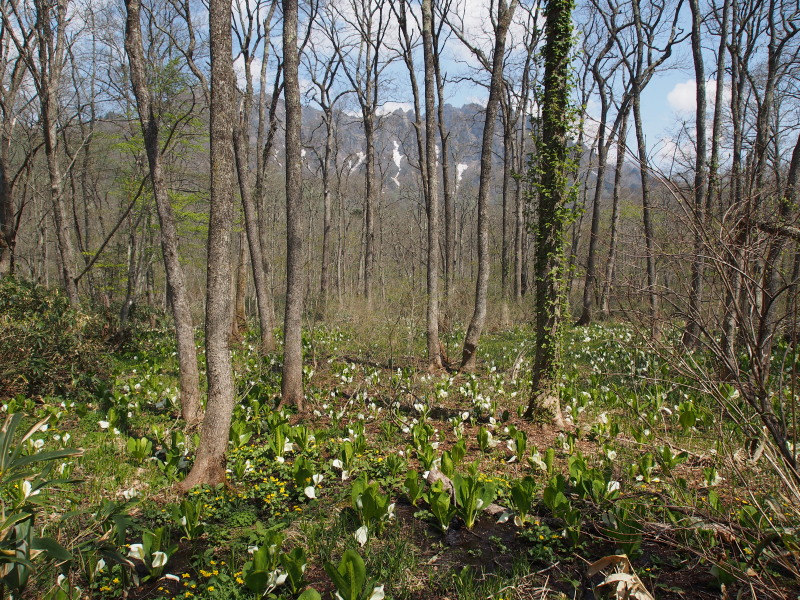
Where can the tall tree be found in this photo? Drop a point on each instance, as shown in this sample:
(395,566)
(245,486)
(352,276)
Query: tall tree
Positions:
(432,197)
(603,67)
(656,33)
(363,63)
(46,65)
(700,177)
(554,197)
(292,382)
(500,24)
(426,152)
(323,71)
(250,32)
(191,409)
(611,258)
(13,71)
(209,465)
(522,99)
(441,10)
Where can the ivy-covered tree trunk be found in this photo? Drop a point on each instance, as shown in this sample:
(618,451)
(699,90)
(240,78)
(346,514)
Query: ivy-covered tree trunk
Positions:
(554,211)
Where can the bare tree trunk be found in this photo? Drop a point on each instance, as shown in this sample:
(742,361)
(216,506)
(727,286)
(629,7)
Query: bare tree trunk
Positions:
(505,251)
(8,229)
(604,140)
(591,259)
(209,466)
(340,240)
(51,48)
(700,180)
(292,382)
(504,15)
(719,112)
(324,284)
(432,186)
(647,218)
(261,166)
(444,136)
(519,241)
(739,67)
(133,274)
(611,261)
(179,301)
(369,206)
(260,282)
(363,64)
(250,34)
(12,65)
(239,321)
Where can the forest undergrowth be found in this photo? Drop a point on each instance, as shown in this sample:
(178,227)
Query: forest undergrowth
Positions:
(394,483)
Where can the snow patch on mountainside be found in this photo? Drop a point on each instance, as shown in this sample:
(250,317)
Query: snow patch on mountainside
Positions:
(397,157)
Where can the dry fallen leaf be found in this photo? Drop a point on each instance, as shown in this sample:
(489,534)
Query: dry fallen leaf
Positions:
(622,583)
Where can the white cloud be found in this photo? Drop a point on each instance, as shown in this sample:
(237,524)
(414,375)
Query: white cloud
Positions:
(389,107)
(474,16)
(255,72)
(480,100)
(668,150)
(683,97)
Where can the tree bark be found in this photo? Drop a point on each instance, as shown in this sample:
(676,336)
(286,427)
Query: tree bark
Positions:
(692,330)
(327,211)
(239,321)
(292,382)
(13,66)
(209,465)
(260,282)
(184,330)
(51,49)
(508,121)
(591,258)
(432,196)
(250,35)
(604,141)
(369,205)
(647,218)
(504,15)
(611,261)
(447,191)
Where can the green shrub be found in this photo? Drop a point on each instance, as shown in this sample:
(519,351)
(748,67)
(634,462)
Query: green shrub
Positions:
(47,348)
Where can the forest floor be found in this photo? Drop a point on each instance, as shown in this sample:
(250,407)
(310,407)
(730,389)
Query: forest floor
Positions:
(647,467)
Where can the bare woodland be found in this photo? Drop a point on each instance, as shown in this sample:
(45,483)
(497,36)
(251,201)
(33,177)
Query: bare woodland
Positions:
(247,165)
